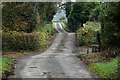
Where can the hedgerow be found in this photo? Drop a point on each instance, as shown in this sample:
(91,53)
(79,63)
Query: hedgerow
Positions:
(17,41)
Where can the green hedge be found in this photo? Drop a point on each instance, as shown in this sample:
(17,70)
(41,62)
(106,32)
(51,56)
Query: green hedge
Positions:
(17,41)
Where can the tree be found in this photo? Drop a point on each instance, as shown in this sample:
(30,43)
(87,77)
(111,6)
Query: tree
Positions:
(19,16)
(26,16)
(68,8)
(95,13)
(50,11)
(79,14)
(109,17)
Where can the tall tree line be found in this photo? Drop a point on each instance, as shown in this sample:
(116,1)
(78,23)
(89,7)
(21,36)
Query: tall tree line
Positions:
(106,13)
(78,13)
(26,16)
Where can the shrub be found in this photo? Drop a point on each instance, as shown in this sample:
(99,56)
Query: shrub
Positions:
(81,42)
(17,41)
(87,35)
(48,27)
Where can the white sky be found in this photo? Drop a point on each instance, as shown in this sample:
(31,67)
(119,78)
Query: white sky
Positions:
(58,15)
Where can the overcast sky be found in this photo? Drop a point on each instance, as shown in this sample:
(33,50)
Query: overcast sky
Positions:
(58,15)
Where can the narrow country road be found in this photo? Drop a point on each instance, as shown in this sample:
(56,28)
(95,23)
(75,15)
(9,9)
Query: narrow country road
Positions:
(58,61)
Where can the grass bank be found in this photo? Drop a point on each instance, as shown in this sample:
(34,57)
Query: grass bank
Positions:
(64,25)
(6,67)
(103,67)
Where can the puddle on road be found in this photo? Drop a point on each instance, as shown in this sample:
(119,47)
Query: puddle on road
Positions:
(33,67)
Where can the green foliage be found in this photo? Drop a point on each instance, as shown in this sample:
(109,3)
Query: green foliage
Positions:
(118,69)
(64,25)
(51,10)
(21,20)
(19,16)
(109,17)
(68,8)
(26,16)
(17,41)
(94,15)
(5,65)
(81,41)
(95,25)
(87,35)
(46,11)
(79,14)
(48,28)
(105,70)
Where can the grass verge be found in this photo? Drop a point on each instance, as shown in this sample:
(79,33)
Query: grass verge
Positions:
(65,27)
(103,67)
(5,67)
(105,70)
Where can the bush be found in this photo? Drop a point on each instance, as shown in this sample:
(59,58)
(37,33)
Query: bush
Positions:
(81,42)
(87,35)
(47,27)
(17,41)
